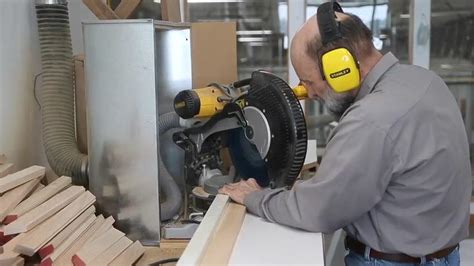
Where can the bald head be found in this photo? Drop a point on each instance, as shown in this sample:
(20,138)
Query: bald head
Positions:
(307,34)
(307,48)
(303,36)
(307,41)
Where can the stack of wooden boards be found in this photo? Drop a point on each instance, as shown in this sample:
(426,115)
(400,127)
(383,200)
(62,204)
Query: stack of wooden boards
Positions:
(56,224)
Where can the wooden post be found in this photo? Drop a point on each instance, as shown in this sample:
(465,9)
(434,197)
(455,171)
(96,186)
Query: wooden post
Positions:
(81,105)
(175,10)
(100,9)
(126,8)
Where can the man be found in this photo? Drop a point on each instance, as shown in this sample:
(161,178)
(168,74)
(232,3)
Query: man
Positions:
(396,173)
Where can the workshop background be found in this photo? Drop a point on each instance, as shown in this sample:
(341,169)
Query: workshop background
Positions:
(442,42)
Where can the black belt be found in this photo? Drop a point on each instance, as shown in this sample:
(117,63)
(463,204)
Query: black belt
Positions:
(359,248)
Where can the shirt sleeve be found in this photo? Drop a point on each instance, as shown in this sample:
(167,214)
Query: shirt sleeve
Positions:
(352,178)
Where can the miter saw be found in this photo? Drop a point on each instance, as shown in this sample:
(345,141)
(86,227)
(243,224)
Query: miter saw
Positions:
(258,123)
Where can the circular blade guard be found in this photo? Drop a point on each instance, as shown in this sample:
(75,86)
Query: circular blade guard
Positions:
(285,152)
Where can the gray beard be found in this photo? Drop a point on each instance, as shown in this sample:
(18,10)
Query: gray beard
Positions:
(337,103)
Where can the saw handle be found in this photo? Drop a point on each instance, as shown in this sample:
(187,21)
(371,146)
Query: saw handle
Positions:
(300,92)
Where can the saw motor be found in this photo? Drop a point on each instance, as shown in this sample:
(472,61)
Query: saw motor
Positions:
(257,123)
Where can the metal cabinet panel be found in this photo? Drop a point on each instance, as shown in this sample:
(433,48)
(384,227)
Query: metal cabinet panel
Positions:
(132,69)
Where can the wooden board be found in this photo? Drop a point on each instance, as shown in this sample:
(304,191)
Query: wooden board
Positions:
(81,106)
(18,262)
(106,225)
(69,241)
(93,249)
(257,242)
(36,189)
(130,255)
(100,9)
(219,250)
(13,180)
(46,231)
(6,169)
(66,257)
(9,247)
(43,211)
(171,10)
(112,252)
(11,198)
(174,243)
(8,259)
(126,8)
(3,238)
(54,243)
(38,198)
(203,235)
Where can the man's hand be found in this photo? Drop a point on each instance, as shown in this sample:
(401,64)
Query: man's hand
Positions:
(238,191)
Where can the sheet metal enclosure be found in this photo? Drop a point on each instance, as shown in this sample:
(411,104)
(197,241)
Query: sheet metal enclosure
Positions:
(133,70)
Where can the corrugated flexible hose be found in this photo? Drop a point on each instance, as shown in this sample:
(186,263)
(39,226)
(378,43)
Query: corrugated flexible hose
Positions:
(57,96)
(172,204)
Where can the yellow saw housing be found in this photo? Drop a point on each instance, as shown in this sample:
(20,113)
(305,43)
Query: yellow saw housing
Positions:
(204,102)
(201,102)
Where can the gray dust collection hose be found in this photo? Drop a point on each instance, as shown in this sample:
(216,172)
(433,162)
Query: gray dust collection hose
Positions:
(172,204)
(57,96)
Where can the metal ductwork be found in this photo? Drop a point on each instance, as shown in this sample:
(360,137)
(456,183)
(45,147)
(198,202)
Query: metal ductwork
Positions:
(59,134)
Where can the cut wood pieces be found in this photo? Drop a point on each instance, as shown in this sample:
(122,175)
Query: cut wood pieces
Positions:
(47,230)
(18,262)
(3,238)
(66,257)
(37,189)
(8,258)
(52,245)
(39,197)
(43,211)
(57,222)
(69,241)
(10,245)
(106,225)
(6,169)
(111,253)
(130,255)
(11,198)
(89,252)
(13,180)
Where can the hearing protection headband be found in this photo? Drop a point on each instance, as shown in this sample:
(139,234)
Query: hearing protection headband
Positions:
(328,26)
(338,66)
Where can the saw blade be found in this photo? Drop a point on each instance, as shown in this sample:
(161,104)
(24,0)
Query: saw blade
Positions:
(259,130)
(276,140)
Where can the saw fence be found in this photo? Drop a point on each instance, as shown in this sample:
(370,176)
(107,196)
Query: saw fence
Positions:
(56,224)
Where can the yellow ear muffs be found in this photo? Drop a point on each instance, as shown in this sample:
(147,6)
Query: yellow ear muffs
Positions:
(340,69)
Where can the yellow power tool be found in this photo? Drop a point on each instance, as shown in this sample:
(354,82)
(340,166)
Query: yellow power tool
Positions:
(207,101)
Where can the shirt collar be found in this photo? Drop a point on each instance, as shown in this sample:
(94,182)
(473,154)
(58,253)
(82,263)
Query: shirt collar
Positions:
(374,75)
